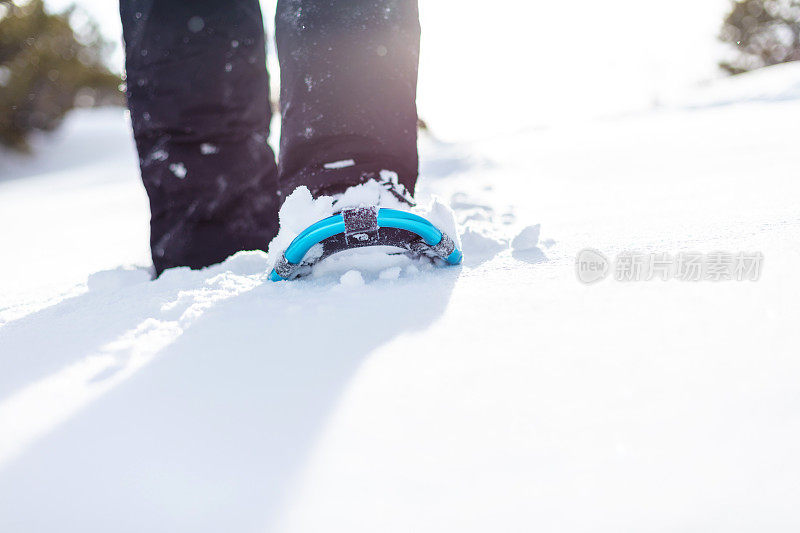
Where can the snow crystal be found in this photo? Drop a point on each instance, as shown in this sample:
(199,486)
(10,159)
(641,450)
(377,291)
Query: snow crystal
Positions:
(208,148)
(228,67)
(159,155)
(340,164)
(179,169)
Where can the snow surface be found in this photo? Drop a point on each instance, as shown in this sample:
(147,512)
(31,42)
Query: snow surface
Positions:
(503,395)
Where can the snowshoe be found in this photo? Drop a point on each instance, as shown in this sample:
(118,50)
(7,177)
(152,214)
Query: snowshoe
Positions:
(357,227)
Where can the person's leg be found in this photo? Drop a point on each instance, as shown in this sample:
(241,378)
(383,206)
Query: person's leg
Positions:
(197,90)
(348,92)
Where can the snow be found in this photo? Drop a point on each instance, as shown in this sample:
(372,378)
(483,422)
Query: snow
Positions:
(179,169)
(352,279)
(766,85)
(527,239)
(208,149)
(340,164)
(503,395)
(390,273)
(482,243)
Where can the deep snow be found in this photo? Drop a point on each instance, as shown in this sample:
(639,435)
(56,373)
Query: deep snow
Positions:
(503,395)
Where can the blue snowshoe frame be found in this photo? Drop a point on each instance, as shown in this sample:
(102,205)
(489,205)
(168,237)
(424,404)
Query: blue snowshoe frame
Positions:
(358,227)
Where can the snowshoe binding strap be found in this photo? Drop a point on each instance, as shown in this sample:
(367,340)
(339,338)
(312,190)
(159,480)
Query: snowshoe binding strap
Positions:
(356,227)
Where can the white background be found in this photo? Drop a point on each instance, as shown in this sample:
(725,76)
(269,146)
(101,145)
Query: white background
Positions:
(528,62)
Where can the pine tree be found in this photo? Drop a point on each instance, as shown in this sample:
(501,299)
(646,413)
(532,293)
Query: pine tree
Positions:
(45,66)
(764,32)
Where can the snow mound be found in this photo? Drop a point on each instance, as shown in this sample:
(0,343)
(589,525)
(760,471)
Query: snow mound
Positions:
(118,278)
(527,239)
(481,243)
(777,83)
(352,279)
(525,246)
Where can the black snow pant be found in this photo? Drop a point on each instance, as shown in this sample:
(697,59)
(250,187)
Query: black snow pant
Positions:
(198,93)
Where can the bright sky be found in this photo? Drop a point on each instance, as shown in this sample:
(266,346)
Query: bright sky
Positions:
(490,66)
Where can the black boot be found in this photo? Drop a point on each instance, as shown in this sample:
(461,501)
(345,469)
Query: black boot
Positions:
(197,90)
(348,92)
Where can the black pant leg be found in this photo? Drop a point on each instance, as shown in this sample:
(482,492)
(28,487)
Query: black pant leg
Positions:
(197,91)
(348,91)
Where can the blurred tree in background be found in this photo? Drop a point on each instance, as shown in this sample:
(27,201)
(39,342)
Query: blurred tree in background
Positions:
(765,32)
(49,64)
